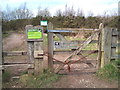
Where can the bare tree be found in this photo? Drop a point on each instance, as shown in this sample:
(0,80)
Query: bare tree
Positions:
(80,12)
(20,13)
(59,13)
(43,12)
(6,14)
(69,11)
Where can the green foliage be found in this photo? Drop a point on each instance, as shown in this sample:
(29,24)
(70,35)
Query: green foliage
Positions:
(39,81)
(110,71)
(6,76)
(61,22)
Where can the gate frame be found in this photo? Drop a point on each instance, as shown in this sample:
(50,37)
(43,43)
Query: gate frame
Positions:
(50,46)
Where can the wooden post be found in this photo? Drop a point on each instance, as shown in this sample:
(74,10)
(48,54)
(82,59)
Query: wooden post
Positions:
(30,45)
(35,53)
(106,46)
(1,60)
(99,46)
(38,51)
(30,51)
(50,47)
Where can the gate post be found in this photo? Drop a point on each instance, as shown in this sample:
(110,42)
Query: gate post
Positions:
(50,47)
(35,49)
(106,46)
(1,55)
(99,46)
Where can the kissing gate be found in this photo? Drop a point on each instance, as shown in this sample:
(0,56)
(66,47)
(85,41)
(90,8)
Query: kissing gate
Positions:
(106,41)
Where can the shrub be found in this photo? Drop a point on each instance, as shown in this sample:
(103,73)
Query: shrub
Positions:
(110,71)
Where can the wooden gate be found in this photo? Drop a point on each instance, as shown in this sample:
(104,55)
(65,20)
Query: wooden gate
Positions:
(71,45)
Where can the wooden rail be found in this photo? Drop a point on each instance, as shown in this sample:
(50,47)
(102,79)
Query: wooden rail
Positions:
(14,53)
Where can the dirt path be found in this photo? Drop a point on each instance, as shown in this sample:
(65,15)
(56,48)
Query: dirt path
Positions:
(83,80)
(80,78)
(13,41)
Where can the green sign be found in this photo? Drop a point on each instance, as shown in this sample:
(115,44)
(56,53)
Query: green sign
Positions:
(34,34)
(43,23)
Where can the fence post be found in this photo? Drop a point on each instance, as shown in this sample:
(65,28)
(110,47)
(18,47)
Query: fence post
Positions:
(99,46)
(30,51)
(106,46)
(50,47)
(38,63)
(1,55)
(35,52)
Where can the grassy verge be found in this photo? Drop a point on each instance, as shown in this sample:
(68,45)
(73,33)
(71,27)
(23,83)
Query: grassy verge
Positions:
(110,71)
(43,80)
(6,76)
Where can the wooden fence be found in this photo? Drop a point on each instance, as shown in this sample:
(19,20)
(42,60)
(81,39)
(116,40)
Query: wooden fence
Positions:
(107,40)
(109,44)
(64,44)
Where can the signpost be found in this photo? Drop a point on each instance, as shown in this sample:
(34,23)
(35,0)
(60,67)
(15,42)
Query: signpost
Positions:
(43,23)
(35,50)
(34,33)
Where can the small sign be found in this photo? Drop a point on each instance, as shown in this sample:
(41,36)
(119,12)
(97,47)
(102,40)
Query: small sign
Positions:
(34,33)
(43,23)
(65,45)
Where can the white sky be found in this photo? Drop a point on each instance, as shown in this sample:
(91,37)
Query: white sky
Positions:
(98,7)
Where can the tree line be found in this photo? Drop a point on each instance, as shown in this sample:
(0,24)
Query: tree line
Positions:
(69,18)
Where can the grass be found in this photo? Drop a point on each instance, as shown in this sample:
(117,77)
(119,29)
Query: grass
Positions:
(43,80)
(6,76)
(110,71)
(92,46)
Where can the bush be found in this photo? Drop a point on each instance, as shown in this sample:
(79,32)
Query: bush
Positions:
(110,71)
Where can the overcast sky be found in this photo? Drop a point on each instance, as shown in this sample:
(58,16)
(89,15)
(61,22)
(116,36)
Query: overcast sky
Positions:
(98,7)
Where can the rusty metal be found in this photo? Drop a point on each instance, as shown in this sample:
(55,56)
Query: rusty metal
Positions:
(71,62)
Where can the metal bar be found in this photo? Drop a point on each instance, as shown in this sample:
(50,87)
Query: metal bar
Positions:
(56,31)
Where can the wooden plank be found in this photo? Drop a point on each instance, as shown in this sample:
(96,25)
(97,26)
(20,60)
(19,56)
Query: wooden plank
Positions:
(85,61)
(14,65)
(79,49)
(50,47)
(113,51)
(107,45)
(9,63)
(114,45)
(14,53)
(114,40)
(115,57)
(114,32)
(71,51)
